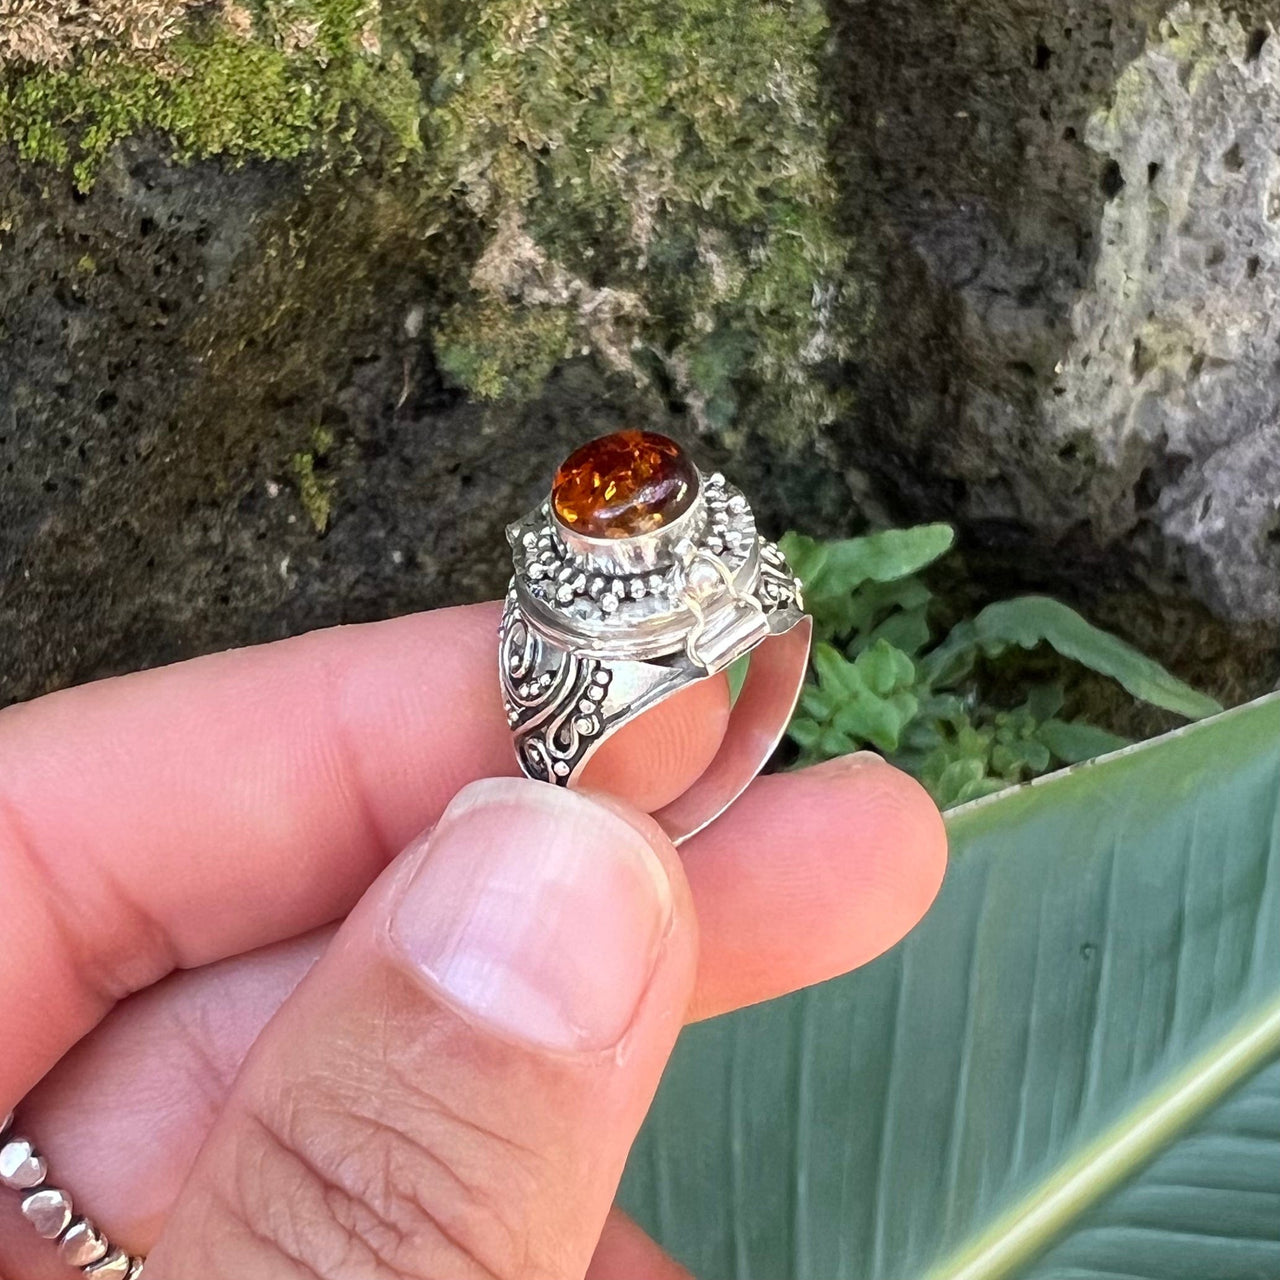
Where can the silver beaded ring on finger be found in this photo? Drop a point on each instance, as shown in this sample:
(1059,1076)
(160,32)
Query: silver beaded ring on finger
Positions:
(51,1213)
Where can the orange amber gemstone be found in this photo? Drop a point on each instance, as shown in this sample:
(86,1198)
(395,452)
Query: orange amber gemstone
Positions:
(620,485)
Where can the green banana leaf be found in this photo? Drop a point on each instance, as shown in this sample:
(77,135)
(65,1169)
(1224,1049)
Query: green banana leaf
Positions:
(1070,1071)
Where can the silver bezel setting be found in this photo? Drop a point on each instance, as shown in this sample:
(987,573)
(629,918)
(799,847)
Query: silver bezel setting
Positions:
(570,596)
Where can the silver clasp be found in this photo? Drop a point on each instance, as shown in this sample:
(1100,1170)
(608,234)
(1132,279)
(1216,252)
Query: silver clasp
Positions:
(727,622)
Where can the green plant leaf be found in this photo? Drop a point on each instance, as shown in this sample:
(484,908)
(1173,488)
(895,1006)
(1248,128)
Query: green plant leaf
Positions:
(1069,1071)
(949,662)
(875,557)
(1073,741)
(907,630)
(833,571)
(1032,620)
(879,721)
(962,780)
(853,703)
(806,731)
(736,674)
(1019,758)
(948,707)
(816,703)
(884,668)
(836,674)
(897,611)
(1045,701)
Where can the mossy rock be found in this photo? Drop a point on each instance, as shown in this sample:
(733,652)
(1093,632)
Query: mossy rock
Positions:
(300,299)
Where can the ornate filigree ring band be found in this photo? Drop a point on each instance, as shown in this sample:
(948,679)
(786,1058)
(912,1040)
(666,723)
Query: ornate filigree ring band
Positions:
(637,577)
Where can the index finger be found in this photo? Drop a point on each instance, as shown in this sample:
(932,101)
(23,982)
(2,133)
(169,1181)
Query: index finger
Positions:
(175,817)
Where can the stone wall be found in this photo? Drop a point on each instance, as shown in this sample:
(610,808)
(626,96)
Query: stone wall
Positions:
(1084,204)
(298,302)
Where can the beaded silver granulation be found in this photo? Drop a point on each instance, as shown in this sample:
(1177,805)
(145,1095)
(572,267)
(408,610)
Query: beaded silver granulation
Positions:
(51,1213)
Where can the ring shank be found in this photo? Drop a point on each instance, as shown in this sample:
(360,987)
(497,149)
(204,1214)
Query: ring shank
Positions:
(563,706)
(757,721)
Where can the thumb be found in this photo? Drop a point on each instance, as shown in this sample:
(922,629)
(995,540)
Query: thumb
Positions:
(453,1089)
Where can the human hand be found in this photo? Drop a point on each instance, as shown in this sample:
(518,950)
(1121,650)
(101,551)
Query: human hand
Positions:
(452,1087)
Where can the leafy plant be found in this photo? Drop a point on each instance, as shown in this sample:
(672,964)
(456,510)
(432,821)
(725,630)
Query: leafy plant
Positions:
(1069,1071)
(881,679)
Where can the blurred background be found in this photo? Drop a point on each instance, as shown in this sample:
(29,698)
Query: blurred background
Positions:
(301,300)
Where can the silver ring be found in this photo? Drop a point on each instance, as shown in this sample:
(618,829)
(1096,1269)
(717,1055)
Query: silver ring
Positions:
(52,1215)
(637,577)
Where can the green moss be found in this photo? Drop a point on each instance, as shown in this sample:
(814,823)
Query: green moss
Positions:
(645,180)
(213,91)
(314,487)
(500,353)
(674,150)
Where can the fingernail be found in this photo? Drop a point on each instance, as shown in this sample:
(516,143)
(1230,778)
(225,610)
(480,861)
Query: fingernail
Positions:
(844,764)
(537,912)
